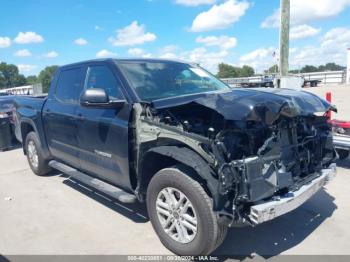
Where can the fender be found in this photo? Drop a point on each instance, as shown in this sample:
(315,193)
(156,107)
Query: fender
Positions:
(28,111)
(191,159)
(39,134)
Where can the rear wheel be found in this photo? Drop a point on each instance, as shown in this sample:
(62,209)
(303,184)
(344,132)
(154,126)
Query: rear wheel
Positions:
(37,162)
(181,213)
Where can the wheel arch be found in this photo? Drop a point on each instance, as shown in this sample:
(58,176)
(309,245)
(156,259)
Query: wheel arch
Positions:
(161,157)
(27,126)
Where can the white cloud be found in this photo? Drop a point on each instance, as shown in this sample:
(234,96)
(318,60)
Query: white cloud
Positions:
(26,68)
(260,59)
(205,58)
(51,54)
(223,42)
(23,53)
(303,31)
(98,28)
(259,53)
(80,41)
(139,52)
(272,20)
(305,11)
(136,51)
(147,55)
(220,16)
(201,55)
(332,48)
(5,42)
(337,39)
(133,34)
(105,53)
(169,49)
(28,38)
(293,50)
(169,52)
(168,55)
(195,2)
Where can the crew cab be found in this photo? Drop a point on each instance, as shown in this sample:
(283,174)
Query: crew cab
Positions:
(202,156)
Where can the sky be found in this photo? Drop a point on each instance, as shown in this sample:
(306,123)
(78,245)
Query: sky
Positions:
(38,33)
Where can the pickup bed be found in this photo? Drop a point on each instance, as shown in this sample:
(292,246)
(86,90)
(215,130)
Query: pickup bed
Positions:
(202,156)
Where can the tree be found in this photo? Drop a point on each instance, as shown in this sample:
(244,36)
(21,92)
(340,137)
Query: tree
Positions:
(332,67)
(272,70)
(31,80)
(247,71)
(10,77)
(309,69)
(321,68)
(227,71)
(20,80)
(45,77)
(294,71)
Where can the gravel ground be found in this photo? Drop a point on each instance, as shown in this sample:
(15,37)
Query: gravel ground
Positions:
(340,98)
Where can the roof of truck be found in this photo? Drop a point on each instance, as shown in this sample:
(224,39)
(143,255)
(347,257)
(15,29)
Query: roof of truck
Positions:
(118,60)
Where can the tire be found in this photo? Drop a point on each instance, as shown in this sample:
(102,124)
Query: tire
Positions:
(38,164)
(208,235)
(343,154)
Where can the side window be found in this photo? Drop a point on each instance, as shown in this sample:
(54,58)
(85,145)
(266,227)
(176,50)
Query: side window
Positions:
(102,77)
(69,85)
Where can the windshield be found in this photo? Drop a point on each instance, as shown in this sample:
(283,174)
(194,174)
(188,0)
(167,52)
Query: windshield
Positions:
(157,80)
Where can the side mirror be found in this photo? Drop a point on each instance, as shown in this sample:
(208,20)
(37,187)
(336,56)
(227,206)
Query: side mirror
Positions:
(98,98)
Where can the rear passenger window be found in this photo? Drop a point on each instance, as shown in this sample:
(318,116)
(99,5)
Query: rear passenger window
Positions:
(103,78)
(70,85)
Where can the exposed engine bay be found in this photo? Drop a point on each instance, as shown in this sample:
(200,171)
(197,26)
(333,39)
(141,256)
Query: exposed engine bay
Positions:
(259,144)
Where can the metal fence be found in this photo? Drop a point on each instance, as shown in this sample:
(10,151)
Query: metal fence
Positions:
(35,89)
(328,77)
(239,80)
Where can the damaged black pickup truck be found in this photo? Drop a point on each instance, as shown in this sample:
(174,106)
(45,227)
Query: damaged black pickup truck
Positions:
(203,157)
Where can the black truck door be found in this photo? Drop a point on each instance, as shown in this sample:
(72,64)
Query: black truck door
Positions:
(103,132)
(60,116)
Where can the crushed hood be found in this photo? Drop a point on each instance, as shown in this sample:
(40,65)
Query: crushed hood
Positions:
(260,104)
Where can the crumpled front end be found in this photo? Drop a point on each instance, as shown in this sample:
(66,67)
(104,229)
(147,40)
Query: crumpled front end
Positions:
(294,150)
(271,208)
(265,145)
(293,153)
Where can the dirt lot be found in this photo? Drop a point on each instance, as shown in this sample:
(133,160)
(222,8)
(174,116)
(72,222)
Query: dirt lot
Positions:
(340,97)
(54,215)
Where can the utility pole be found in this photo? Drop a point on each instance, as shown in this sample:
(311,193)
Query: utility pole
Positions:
(284,38)
(284,80)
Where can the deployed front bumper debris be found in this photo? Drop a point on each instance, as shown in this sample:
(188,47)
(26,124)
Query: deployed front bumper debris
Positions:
(268,210)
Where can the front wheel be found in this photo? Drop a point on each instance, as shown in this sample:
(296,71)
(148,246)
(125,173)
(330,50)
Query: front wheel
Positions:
(181,213)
